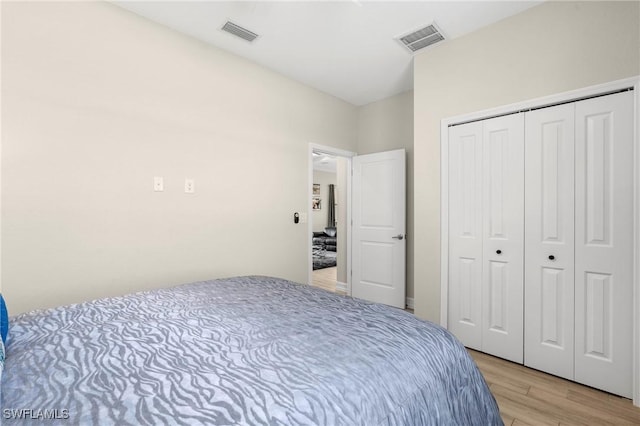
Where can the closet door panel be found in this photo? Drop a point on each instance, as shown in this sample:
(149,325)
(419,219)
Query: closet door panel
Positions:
(465,233)
(604,242)
(549,240)
(503,232)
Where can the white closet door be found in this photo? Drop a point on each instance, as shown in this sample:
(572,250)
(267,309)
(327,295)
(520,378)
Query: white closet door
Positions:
(465,233)
(549,240)
(503,230)
(604,242)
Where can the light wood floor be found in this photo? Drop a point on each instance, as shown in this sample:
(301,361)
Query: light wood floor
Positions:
(326,278)
(530,397)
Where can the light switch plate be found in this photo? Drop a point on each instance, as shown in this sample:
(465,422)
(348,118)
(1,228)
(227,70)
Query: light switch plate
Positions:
(189,186)
(158,184)
(303,218)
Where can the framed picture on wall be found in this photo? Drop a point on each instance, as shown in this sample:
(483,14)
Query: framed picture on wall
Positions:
(316,203)
(316,189)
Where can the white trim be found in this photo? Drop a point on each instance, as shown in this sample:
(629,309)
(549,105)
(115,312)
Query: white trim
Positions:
(536,103)
(409,302)
(444,224)
(636,245)
(340,153)
(340,286)
(349,221)
(543,101)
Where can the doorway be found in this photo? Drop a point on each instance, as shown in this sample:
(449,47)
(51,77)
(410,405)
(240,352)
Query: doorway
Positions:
(329,238)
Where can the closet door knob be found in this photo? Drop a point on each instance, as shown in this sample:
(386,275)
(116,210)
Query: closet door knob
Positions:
(551,257)
(498,251)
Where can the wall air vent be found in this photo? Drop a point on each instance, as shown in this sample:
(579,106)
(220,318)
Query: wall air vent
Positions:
(238,31)
(421,38)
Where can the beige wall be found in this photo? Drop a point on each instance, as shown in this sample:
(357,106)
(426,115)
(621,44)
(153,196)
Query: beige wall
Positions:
(319,217)
(551,48)
(387,125)
(95,102)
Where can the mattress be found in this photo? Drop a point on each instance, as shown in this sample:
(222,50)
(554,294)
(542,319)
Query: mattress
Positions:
(244,350)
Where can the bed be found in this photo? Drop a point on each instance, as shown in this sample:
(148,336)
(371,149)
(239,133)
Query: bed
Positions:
(245,350)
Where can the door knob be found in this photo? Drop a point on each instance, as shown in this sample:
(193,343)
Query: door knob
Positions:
(551,257)
(398,237)
(498,251)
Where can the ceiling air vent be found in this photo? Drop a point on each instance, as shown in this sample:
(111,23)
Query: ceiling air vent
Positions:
(422,38)
(238,31)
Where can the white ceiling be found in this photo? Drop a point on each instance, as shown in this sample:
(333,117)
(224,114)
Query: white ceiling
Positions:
(345,48)
(324,162)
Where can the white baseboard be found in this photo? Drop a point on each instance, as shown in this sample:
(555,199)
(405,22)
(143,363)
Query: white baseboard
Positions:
(409,302)
(341,286)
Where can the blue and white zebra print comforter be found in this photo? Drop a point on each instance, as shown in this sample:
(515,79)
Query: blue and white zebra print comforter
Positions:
(247,350)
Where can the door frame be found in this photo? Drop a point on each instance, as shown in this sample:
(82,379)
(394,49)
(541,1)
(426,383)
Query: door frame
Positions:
(348,155)
(570,96)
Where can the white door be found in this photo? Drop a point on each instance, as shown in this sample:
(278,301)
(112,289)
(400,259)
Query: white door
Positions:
(379,240)
(549,259)
(503,231)
(604,243)
(465,233)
